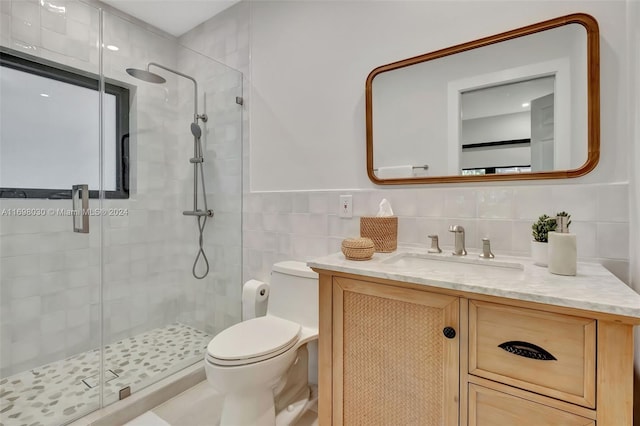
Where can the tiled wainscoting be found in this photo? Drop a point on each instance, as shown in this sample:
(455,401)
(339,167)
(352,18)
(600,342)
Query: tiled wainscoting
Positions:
(303,225)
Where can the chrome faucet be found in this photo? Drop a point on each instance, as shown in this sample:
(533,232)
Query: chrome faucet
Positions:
(459,240)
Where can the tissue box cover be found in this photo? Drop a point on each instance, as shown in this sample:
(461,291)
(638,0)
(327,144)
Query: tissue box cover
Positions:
(357,248)
(383,231)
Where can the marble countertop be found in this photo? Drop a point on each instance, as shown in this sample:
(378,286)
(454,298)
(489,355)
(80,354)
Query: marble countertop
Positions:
(594,288)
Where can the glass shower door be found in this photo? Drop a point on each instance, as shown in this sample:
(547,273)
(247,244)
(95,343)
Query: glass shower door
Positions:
(49,275)
(160,311)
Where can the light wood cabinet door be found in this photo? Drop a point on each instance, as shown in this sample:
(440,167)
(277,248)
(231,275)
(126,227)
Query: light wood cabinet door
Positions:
(392,363)
(488,407)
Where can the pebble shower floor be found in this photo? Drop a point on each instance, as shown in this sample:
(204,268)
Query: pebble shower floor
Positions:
(62,391)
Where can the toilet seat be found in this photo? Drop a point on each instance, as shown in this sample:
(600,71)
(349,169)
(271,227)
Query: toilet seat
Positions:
(253,341)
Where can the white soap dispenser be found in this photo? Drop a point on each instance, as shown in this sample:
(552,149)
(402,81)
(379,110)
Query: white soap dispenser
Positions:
(563,253)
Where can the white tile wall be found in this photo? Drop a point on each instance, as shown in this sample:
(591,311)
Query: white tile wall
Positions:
(502,214)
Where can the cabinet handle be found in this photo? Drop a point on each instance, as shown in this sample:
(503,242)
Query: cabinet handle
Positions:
(527,350)
(449,332)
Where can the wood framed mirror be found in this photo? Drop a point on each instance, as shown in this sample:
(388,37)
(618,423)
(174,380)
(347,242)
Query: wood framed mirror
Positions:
(523,104)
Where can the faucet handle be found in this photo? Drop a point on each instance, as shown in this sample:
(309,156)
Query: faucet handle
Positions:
(435,248)
(486,249)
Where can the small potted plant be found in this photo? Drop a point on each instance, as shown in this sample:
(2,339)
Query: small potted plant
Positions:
(540,232)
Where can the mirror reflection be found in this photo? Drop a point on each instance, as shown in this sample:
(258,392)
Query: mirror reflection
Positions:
(521,104)
(508,128)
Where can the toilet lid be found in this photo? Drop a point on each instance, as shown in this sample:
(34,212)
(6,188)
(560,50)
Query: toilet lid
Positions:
(254,340)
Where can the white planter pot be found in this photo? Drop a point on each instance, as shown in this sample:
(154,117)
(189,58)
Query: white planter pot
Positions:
(539,253)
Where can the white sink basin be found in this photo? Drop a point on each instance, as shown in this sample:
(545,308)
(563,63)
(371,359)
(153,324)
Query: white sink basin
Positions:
(448,262)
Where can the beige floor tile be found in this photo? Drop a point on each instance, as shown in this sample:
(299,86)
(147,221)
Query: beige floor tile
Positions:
(198,406)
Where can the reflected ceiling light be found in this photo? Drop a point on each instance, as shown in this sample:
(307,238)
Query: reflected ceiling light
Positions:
(44,95)
(112,47)
(53,7)
(526,104)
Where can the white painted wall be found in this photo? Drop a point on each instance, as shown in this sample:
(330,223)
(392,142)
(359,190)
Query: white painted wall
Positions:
(496,128)
(307,116)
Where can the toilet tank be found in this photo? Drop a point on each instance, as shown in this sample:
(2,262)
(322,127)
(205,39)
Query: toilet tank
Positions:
(294,293)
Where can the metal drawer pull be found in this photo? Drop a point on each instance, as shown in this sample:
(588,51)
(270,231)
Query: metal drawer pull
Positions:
(527,350)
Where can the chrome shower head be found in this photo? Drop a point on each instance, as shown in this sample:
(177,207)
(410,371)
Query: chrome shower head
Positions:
(145,75)
(196,130)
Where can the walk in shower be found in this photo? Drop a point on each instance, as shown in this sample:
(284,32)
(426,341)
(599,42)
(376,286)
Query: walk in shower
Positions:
(88,317)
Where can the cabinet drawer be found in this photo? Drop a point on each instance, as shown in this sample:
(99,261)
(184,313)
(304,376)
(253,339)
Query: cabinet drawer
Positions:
(488,407)
(547,353)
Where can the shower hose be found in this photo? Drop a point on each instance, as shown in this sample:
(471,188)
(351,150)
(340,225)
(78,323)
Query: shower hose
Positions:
(202,221)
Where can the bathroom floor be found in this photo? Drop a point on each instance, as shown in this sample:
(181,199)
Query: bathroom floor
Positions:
(59,392)
(200,406)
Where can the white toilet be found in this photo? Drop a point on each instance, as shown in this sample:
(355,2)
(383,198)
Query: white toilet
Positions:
(260,364)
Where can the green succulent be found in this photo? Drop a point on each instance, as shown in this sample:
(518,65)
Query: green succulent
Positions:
(542,227)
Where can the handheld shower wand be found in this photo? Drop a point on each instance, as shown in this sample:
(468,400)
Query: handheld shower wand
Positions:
(197,160)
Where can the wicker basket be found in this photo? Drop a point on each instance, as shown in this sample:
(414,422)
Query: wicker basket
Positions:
(357,248)
(383,231)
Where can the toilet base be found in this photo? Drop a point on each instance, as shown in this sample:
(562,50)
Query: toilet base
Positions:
(290,414)
(296,410)
(258,409)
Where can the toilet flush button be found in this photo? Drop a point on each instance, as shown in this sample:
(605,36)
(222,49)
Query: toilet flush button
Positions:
(290,408)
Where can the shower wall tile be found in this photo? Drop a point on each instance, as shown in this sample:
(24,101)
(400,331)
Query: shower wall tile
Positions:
(79,12)
(21,287)
(28,12)
(223,140)
(25,31)
(26,308)
(5,7)
(5,27)
(54,19)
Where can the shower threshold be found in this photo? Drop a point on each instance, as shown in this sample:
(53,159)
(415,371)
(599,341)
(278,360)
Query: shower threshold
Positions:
(59,392)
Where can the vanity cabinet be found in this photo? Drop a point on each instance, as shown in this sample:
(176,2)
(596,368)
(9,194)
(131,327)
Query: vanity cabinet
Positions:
(398,353)
(392,363)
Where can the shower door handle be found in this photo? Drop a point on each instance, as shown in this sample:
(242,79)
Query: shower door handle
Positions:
(80,205)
